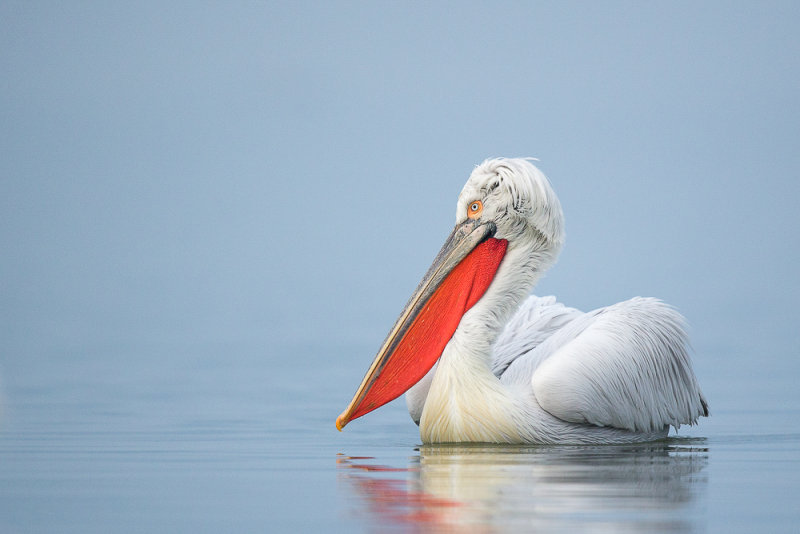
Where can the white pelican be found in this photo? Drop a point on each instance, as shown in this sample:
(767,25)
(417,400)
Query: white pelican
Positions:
(483,363)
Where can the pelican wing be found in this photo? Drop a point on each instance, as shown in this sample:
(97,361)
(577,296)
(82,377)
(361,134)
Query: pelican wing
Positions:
(624,366)
(537,319)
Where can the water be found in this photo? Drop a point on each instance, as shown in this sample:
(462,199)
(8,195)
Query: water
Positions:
(228,439)
(658,486)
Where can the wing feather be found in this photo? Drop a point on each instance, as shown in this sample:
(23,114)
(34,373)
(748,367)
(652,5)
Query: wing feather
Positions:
(625,366)
(535,321)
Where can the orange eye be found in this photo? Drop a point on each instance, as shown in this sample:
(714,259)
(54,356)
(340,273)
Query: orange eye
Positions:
(474,210)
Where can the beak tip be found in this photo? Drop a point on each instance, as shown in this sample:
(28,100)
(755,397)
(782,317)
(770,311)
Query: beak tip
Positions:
(341,421)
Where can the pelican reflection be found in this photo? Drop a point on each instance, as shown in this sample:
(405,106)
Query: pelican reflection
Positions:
(650,487)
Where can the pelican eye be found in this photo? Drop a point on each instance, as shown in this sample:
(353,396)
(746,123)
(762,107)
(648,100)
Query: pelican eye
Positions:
(475,209)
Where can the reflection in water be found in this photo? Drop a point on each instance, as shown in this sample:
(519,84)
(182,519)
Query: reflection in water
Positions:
(479,488)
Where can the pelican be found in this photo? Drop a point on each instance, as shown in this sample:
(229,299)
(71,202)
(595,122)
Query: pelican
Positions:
(482,361)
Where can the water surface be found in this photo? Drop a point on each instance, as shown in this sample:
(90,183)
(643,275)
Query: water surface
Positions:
(235,441)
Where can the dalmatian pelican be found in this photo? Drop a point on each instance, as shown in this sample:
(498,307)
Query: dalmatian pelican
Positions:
(482,361)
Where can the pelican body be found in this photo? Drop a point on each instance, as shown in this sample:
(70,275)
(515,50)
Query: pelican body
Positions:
(482,360)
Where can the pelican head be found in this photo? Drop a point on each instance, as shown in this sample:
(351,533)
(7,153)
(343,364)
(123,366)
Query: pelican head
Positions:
(509,229)
(517,198)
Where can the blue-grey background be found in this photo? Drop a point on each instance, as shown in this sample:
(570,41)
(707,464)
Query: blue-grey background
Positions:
(211,213)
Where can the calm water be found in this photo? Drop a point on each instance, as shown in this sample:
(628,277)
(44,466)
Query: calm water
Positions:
(227,439)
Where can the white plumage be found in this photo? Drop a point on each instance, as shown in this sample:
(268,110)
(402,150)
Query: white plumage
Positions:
(522,369)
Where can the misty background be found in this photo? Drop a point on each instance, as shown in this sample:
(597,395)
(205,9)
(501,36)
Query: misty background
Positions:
(258,187)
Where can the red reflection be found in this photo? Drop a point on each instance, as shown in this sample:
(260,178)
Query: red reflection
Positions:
(395,500)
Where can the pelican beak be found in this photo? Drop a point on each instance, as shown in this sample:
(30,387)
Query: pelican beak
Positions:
(458,278)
